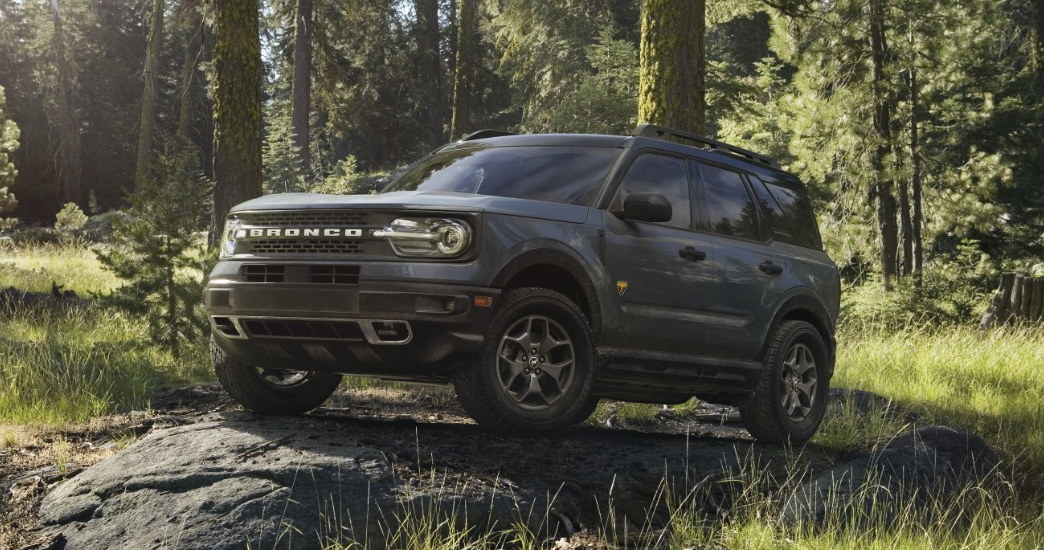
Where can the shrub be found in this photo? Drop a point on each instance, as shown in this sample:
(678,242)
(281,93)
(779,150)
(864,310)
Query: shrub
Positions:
(70,218)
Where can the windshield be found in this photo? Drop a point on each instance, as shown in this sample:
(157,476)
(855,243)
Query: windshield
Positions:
(570,175)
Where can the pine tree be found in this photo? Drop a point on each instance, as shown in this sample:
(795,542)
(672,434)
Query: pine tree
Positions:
(237,107)
(8,172)
(429,68)
(671,88)
(465,67)
(147,120)
(67,161)
(302,84)
(158,254)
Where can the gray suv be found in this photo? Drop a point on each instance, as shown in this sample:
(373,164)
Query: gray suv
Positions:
(539,274)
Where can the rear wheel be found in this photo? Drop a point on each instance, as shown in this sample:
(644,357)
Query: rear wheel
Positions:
(536,368)
(272,391)
(791,396)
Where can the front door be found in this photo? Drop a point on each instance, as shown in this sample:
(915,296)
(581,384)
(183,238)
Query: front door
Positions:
(664,272)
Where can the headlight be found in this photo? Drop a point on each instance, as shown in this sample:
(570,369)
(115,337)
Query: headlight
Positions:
(228,237)
(427,237)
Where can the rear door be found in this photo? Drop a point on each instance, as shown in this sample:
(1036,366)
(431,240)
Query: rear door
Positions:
(664,273)
(748,267)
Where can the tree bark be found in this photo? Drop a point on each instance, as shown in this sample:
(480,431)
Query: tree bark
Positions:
(147,117)
(905,223)
(915,179)
(67,158)
(886,207)
(237,107)
(302,91)
(1038,46)
(430,68)
(464,75)
(671,90)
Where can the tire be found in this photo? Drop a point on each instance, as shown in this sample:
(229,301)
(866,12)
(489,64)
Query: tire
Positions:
(270,391)
(507,388)
(790,398)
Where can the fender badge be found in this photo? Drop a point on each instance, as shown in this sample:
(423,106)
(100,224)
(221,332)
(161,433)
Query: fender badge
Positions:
(621,287)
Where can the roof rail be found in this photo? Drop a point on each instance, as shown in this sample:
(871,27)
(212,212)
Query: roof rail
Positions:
(483,134)
(661,132)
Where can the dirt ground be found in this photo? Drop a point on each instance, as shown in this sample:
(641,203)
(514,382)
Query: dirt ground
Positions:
(34,460)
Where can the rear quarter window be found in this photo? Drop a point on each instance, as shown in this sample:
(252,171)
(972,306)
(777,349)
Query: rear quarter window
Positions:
(788,214)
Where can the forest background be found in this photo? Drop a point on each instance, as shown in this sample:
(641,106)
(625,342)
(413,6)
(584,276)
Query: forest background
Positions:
(917,124)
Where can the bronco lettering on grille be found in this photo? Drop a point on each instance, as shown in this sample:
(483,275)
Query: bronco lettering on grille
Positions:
(267,232)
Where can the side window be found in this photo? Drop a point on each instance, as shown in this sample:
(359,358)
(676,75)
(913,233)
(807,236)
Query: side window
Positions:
(730,209)
(771,213)
(659,174)
(795,222)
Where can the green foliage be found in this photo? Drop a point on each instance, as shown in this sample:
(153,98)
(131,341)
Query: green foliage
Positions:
(159,255)
(8,172)
(543,47)
(955,289)
(280,158)
(345,179)
(70,218)
(605,101)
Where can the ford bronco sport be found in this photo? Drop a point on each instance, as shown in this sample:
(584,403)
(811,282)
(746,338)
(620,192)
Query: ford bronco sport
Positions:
(539,274)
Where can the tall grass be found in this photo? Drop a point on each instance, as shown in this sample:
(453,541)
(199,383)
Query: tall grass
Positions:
(71,265)
(68,363)
(990,383)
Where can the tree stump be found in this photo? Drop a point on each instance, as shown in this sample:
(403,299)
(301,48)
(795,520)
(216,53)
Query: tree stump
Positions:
(1019,299)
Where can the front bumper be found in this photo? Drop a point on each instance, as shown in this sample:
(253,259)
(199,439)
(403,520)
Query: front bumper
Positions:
(416,331)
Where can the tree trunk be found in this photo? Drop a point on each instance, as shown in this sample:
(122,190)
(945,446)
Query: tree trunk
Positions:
(67,158)
(464,76)
(886,206)
(673,65)
(191,22)
(302,92)
(915,178)
(147,118)
(1038,46)
(905,223)
(237,107)
(430,70)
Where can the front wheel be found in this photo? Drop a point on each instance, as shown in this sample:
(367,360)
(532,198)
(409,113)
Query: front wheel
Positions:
(536,368)
(791,396)
(272,391)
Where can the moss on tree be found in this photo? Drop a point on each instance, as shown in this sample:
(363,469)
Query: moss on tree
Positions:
(673,66)
(237,106)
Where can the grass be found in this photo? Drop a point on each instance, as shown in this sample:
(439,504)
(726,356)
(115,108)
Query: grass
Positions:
(71,265)
(990,383)
(70,363)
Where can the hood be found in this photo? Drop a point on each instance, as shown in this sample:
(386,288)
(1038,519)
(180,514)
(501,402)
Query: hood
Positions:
(439,201)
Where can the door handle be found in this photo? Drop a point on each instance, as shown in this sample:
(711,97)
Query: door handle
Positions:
(690,253)
(771,268)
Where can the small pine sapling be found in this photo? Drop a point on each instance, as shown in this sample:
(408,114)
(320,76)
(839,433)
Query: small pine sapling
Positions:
(159,252)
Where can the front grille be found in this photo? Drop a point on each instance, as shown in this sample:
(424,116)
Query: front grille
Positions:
(303,246)
(313,330)
(312,219)
(315,245)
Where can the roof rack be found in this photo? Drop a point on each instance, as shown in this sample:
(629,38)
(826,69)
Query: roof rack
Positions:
(661,132)
(483,134)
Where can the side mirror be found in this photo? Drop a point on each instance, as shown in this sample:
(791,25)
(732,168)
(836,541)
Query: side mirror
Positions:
(645,207)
